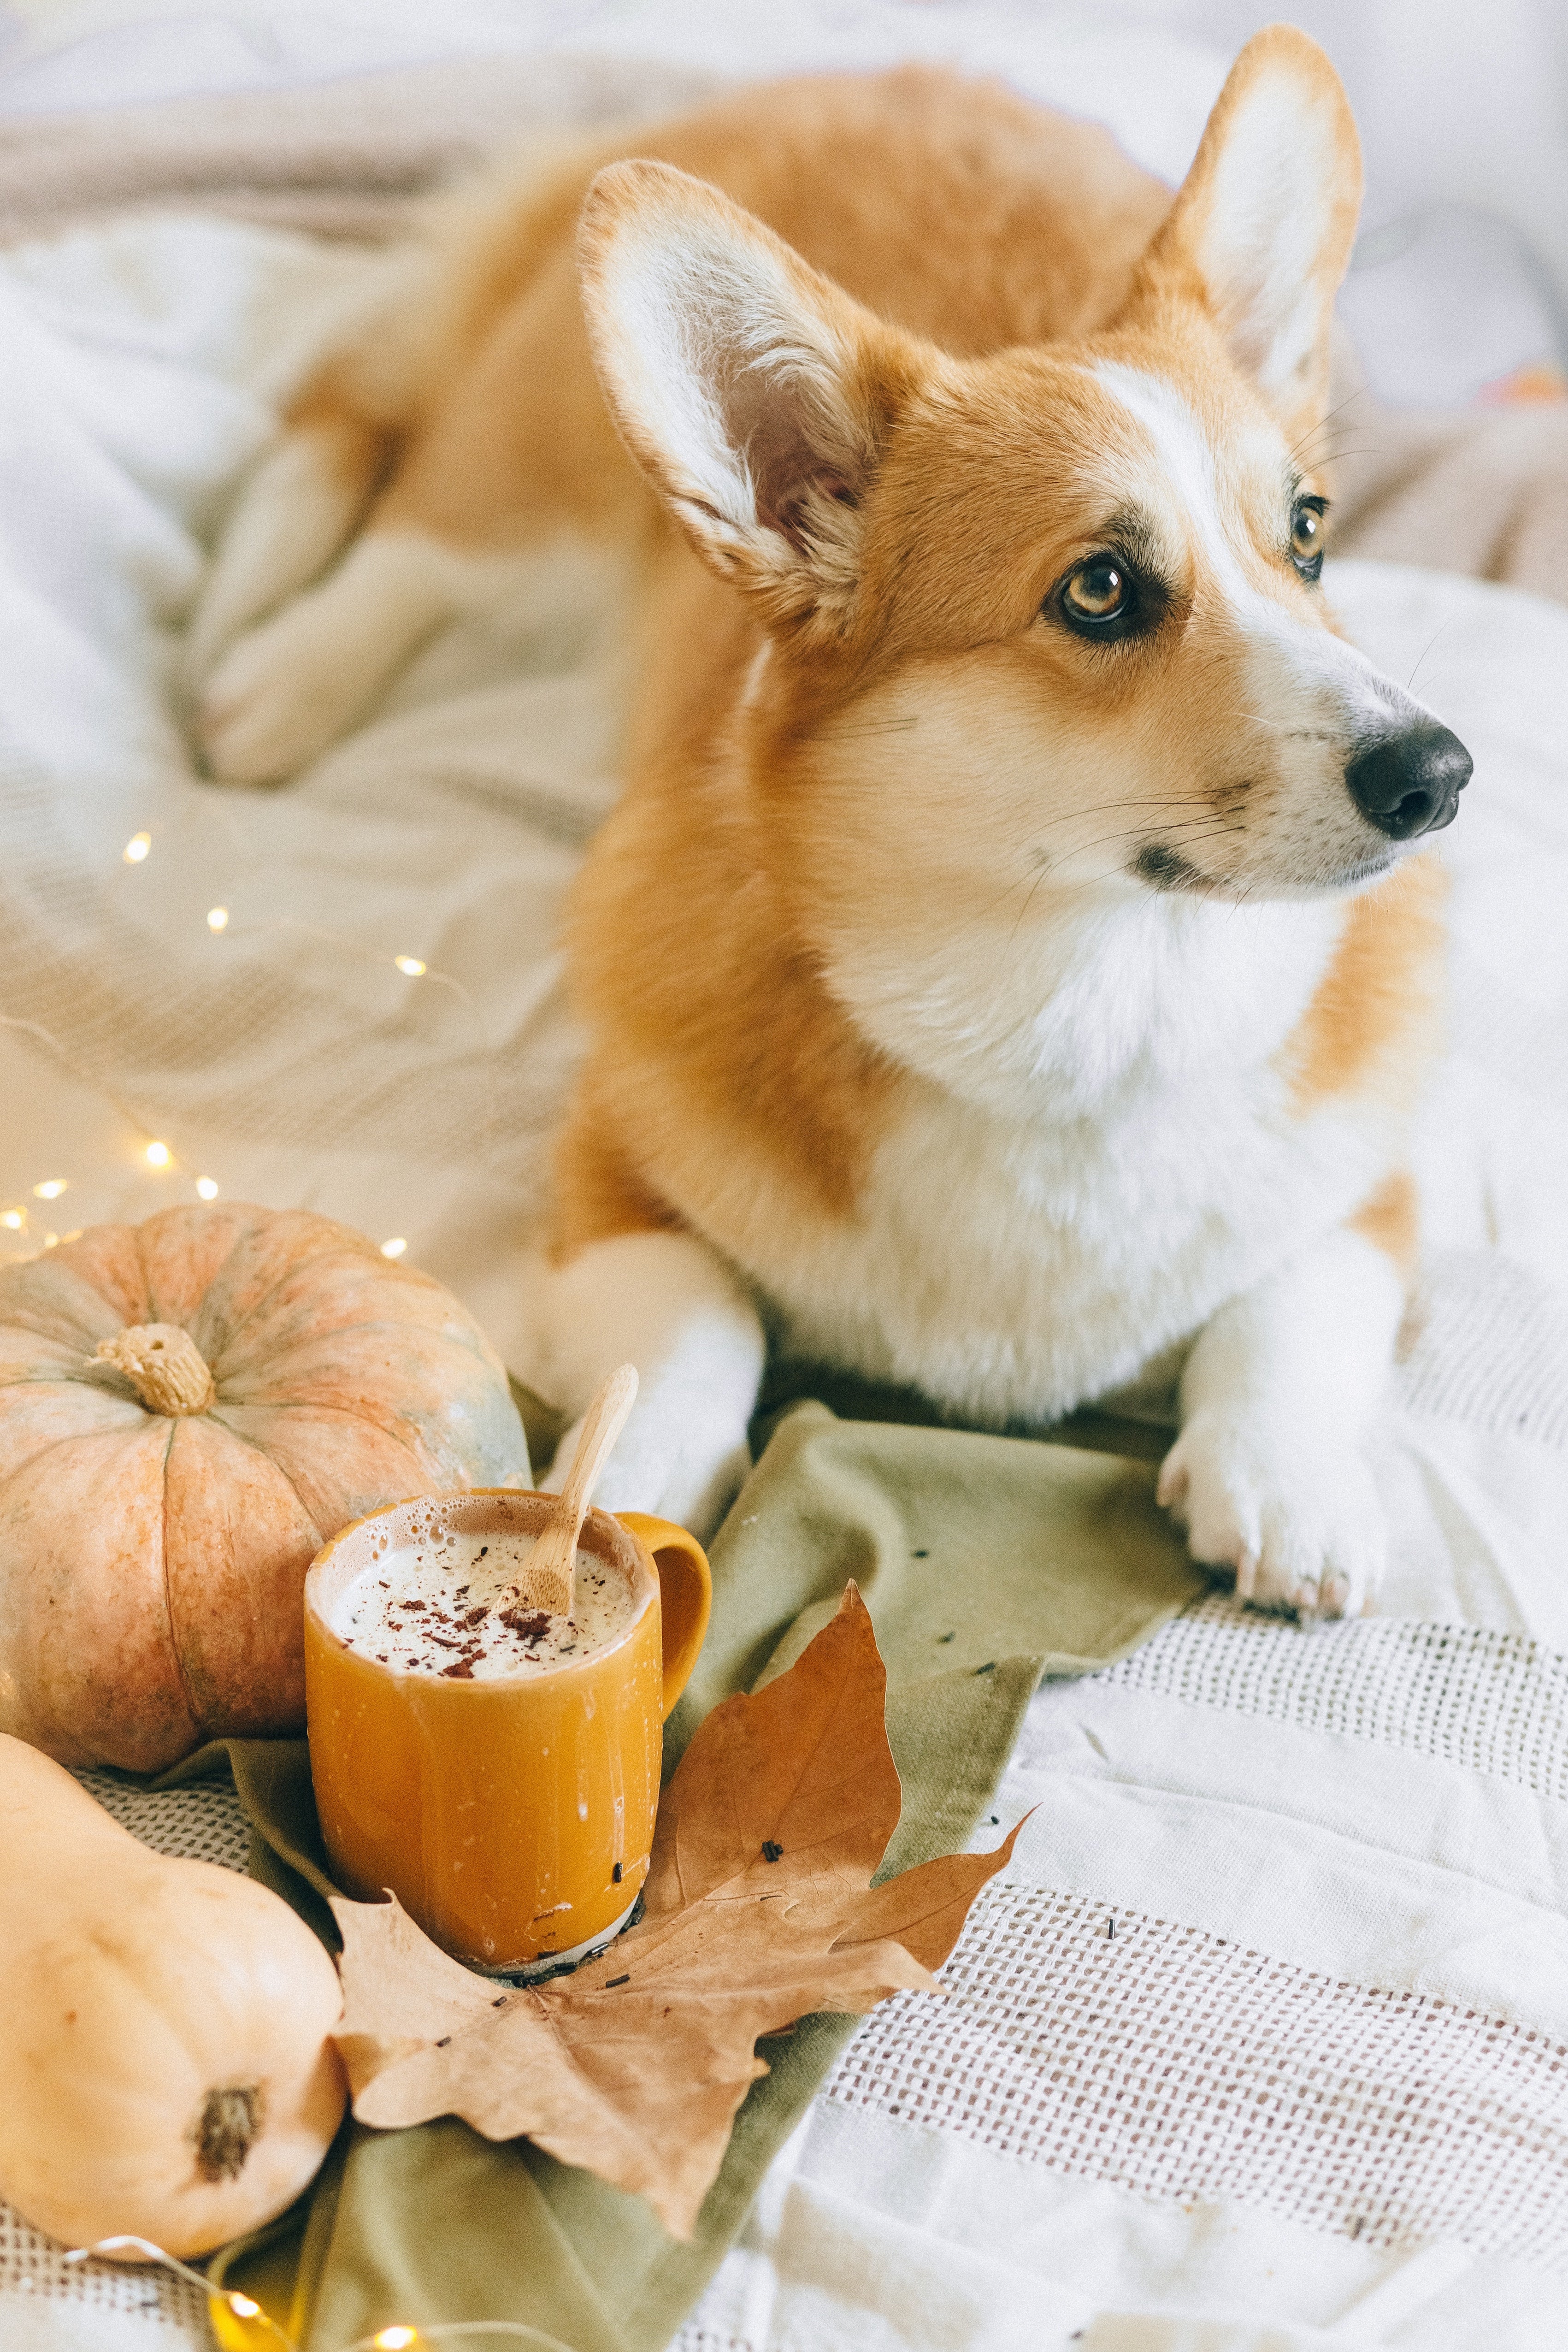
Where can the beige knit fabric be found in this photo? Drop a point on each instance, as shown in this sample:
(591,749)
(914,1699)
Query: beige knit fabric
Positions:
(342,159)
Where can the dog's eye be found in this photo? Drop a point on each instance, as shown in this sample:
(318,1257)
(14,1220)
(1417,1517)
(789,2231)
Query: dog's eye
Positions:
(1098,592)
(1307,537)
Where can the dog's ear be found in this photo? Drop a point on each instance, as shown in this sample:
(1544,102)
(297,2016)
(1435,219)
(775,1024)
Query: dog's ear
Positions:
(755,394)
(1262,225)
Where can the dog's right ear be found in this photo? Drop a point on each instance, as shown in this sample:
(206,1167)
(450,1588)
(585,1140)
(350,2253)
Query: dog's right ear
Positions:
(756,394)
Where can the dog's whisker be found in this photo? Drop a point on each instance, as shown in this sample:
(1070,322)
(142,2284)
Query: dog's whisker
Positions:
(1187,827)
(1327,419)
(869,729)
(1106,808)
(1426,649)
(1191,836)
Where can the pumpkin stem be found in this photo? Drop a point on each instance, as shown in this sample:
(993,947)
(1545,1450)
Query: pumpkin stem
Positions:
(163,1365)
(227,2130)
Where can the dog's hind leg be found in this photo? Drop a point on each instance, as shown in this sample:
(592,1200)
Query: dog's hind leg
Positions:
(427,308)
(287,689)
(292,517)
(516,465)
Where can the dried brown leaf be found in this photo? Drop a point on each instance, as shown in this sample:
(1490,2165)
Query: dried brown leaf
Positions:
(925,1909)
(759,1913)
(415,2004)
(803,1765)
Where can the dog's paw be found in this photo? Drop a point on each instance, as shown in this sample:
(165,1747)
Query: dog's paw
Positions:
(281,693)
(1297,1519)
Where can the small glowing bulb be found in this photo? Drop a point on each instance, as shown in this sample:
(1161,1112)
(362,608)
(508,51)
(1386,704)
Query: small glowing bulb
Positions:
(218,919)
(205,1188)
(137,847)
(409,967)
(243,2307)
(159,1155)
(394,2339)
(13,1220)
(50,1190)
(395,1247)
(51,1241)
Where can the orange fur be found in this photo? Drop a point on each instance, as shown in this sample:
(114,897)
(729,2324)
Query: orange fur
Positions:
(957,209)
(1391,1221)
(978,647)
(999,251)
(1376,1014)
(599,1189)
(355,449)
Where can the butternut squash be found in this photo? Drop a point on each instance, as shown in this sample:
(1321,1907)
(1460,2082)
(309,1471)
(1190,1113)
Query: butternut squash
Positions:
(165,2069)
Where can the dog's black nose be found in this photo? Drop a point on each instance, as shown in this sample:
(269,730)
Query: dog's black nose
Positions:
(1410,782)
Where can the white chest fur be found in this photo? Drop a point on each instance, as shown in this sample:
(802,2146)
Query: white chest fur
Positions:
(1015,1272)
(1048,1217)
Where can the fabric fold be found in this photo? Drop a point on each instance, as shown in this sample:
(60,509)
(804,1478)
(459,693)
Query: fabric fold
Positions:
(985,1563)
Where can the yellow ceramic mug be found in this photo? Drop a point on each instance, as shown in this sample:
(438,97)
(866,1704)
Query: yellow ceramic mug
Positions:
(513,1817)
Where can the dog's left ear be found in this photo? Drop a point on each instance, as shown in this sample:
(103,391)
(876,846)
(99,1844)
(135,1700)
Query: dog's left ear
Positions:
(756,395)
(1262,225)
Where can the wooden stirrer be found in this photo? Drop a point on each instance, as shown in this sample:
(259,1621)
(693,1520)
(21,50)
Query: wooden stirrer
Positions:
(548,1576)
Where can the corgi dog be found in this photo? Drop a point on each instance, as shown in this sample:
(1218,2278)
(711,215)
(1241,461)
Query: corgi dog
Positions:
(1010,969)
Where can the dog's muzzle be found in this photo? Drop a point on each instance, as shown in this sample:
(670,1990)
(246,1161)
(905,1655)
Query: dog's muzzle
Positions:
(1409,783)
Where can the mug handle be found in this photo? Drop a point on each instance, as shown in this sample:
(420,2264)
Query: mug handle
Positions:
(685,1593)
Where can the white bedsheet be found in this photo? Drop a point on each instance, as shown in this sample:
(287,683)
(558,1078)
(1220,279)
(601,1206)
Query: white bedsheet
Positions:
(1371,1815)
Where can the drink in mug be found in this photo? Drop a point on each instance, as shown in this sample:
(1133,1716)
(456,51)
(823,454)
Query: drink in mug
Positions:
(495,1767)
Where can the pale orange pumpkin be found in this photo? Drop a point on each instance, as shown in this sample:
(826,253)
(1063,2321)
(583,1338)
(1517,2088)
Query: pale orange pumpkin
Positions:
(188,1410)
(166,2069)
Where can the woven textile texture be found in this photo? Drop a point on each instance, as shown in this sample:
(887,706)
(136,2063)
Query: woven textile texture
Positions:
(1153,2056)
(1490,1347)
(1491,1701)
(202,1822)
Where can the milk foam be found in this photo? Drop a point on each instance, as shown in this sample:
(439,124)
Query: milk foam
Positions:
(449,1603)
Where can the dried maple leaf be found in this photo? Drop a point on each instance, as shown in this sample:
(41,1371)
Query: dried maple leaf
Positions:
(758,1912)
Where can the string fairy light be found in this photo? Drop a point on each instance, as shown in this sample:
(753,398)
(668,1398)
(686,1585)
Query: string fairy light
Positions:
(241,2325)
(238,2320)
(157,1154)
(413,967)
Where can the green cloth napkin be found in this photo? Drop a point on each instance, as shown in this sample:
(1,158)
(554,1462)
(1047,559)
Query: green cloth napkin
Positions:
(985,1563)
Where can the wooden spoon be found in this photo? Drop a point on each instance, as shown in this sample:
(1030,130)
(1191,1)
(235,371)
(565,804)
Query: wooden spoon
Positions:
(548,1576)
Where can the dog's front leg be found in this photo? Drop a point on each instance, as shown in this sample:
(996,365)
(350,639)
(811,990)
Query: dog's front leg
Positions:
(668,1304)
(1271,1474)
